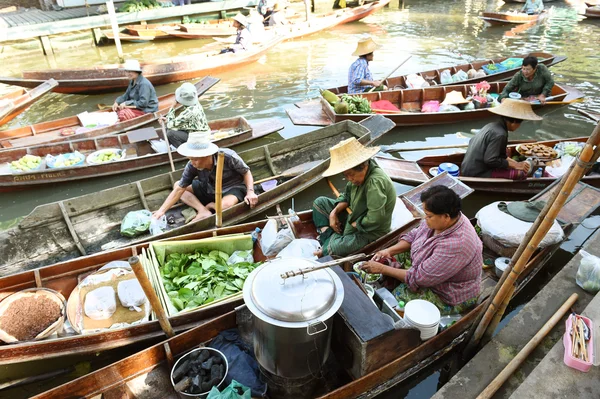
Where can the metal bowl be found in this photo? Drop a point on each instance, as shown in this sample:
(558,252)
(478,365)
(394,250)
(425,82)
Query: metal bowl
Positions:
(184,395)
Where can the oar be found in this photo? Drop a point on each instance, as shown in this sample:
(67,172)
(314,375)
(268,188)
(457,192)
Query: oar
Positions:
(166,138)
(591,115)
(102,107)
(219,190)
(301,272)
(390,74)
(337,194)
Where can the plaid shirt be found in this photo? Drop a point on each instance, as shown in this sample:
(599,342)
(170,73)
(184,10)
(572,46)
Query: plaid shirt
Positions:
(359,70)
(448,263)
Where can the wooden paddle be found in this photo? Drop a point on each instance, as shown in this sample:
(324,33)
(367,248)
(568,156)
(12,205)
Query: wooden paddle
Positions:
(390,74)
(591,115)
(166,138)
(337,194)
(219,190)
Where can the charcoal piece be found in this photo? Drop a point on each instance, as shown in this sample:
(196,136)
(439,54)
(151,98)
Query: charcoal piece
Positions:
(182,385)
(215,371)
(217,360)
(181,370)
(196,382)
(206,378)
(194,355)
(202,372)
(214,382)
(221,371)
(207,364)
(204,355)
(206,386)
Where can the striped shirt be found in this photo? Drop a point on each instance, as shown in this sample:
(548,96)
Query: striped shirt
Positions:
(359,70)
(448,263)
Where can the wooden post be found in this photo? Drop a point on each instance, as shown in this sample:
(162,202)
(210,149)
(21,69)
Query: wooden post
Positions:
(219,190)
(110,6)
(511,367)
(307,9)
(46,45)
(97,35)
(166,138)
(163,320)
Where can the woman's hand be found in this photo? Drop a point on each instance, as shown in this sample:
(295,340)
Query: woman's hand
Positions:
(334,223)
(251,199)
(158,214)
(115,107)
(373,267)
(384,253)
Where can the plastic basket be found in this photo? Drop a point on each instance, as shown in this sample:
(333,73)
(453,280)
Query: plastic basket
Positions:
(571,361)
(511,63)
(499,68)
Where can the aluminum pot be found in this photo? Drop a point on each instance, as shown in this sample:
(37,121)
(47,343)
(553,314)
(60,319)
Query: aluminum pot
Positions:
(293,318)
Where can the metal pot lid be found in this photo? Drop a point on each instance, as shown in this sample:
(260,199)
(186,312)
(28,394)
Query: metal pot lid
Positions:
(299,298)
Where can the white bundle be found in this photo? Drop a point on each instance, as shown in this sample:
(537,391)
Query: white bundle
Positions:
(100,304)
(131,294)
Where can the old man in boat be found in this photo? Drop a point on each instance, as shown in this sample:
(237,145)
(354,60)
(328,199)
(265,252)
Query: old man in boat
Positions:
(190,119)
(446,256)
(140,96)
(277,17)
(243,39)
(363,213)
(196,188)
(486,154)
(533,82)
(533,7)
(359,75)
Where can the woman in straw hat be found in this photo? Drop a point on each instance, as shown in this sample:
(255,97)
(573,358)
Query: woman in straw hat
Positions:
(190,119)
(359,76)
(369,194)
(196,188)
(243,40)
(486,154)
(140,96)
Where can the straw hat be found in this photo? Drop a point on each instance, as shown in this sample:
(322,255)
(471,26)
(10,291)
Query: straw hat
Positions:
(198,145)
(278,6)
(516,109)
(366,46)
(348,154)
(186,94)
(241,19)
(454,97)
(133,66)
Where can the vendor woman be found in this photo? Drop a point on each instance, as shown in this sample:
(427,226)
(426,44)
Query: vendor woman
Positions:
(359,76)
(140,96)
(190,119)
(369,195)
(446,256)
(533,82)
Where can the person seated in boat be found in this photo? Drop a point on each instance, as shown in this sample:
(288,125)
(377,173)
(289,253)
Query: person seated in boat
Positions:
(265,8)
(486,155)
(533,7)
(533,82)
(196,188)
(369,194)
(190,119)
(359,75)
(243,39)
(140,96)
(446,256)
(278,15)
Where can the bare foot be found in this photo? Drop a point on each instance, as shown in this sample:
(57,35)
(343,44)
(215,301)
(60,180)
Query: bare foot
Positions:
(201,215)
(318,253)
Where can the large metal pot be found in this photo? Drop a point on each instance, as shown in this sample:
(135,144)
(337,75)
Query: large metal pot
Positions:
(292,318)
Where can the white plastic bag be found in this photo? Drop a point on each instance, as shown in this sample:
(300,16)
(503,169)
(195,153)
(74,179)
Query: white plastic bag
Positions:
(563,165)
(588,273)
(273,241)
(446,77)
(158,226)
(301,248)
(414,81)
(459,76)
(509,230)
(240,257)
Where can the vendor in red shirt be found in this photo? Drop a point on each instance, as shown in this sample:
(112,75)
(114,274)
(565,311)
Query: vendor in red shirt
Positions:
(446,256)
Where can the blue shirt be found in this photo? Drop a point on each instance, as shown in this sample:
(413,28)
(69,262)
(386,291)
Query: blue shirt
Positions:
(141,94)
(359,70)
(535,6)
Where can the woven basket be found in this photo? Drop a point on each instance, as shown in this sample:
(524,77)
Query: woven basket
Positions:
(494,245)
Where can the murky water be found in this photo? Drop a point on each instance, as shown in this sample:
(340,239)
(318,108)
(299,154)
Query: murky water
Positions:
(436,33)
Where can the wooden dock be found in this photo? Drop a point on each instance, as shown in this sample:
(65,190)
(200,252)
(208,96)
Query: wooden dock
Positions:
(34,17)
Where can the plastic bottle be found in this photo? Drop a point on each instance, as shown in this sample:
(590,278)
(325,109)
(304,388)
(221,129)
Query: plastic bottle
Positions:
(538,173)
(400,308)
(255,234)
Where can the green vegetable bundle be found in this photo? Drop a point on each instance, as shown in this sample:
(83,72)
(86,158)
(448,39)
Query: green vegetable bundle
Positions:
(357,104)
(139,5)
(404,259)
(192,280)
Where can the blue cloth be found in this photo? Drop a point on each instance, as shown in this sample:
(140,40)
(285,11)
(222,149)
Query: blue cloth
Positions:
(359,70)
(141,94)
(533,6)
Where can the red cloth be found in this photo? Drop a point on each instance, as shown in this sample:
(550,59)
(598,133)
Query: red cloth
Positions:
(383,105)
(129,113)
(512,174)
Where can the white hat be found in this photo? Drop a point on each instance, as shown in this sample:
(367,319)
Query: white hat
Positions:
(133,66)
(198,145)
(241,19)
(186,94)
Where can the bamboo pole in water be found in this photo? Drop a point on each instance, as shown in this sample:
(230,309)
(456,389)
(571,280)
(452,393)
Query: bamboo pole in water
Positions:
(219,190)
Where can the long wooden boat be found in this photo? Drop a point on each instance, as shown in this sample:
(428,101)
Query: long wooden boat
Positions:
(417,172)
(90,223)
(433,75)
(51,131)
(405,355)
(139,153)
(502,18)
(592,3)
(410,102)
(107,78)
(17,101)
(592,12)
(523,1)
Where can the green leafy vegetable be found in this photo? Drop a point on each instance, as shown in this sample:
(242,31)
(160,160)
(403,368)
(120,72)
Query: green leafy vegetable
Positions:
(404,259)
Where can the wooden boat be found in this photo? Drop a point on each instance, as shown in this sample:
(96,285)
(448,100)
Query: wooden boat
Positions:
(125,36)
(523,1)
(90,223)
(50,131)
(396,354)
(399,82)
(107,78)
(150,30)
(139,153)
(502,18)
(410,102)
(17,101)
(592,12)
(414,173)
(592,3)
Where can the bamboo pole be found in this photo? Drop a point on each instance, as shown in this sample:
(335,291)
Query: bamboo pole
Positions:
(110,6)
(533,238)
(219,190)
(157,307)
(514,364)
(166,138)
(337,194)
(390,74)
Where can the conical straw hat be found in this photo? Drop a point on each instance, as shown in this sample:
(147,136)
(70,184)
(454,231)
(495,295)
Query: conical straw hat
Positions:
(454,97)
(348,154)
(516,109)
(241,19)
(366,46)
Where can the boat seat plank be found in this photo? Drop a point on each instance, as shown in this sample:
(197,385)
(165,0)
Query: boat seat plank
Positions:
(308,114)
(401,169)
(71,228)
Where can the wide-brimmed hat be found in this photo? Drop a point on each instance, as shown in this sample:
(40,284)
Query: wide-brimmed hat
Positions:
(133,66)
(454,97)
(516,109)
(186,94)
(198,145)
(366,46)
(348,154)
(280,5)
(241,19)
(526,211)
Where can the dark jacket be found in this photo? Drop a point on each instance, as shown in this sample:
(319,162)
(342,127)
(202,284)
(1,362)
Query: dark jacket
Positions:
(487,151)
(141,94)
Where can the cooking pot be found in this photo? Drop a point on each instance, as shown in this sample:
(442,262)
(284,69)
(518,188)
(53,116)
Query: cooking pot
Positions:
(293,318)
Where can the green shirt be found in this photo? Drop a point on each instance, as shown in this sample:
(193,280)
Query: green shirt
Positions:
(191,119)
(372,204)
(542,83)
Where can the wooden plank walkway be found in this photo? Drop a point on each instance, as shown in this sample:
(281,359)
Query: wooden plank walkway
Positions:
(33,17)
